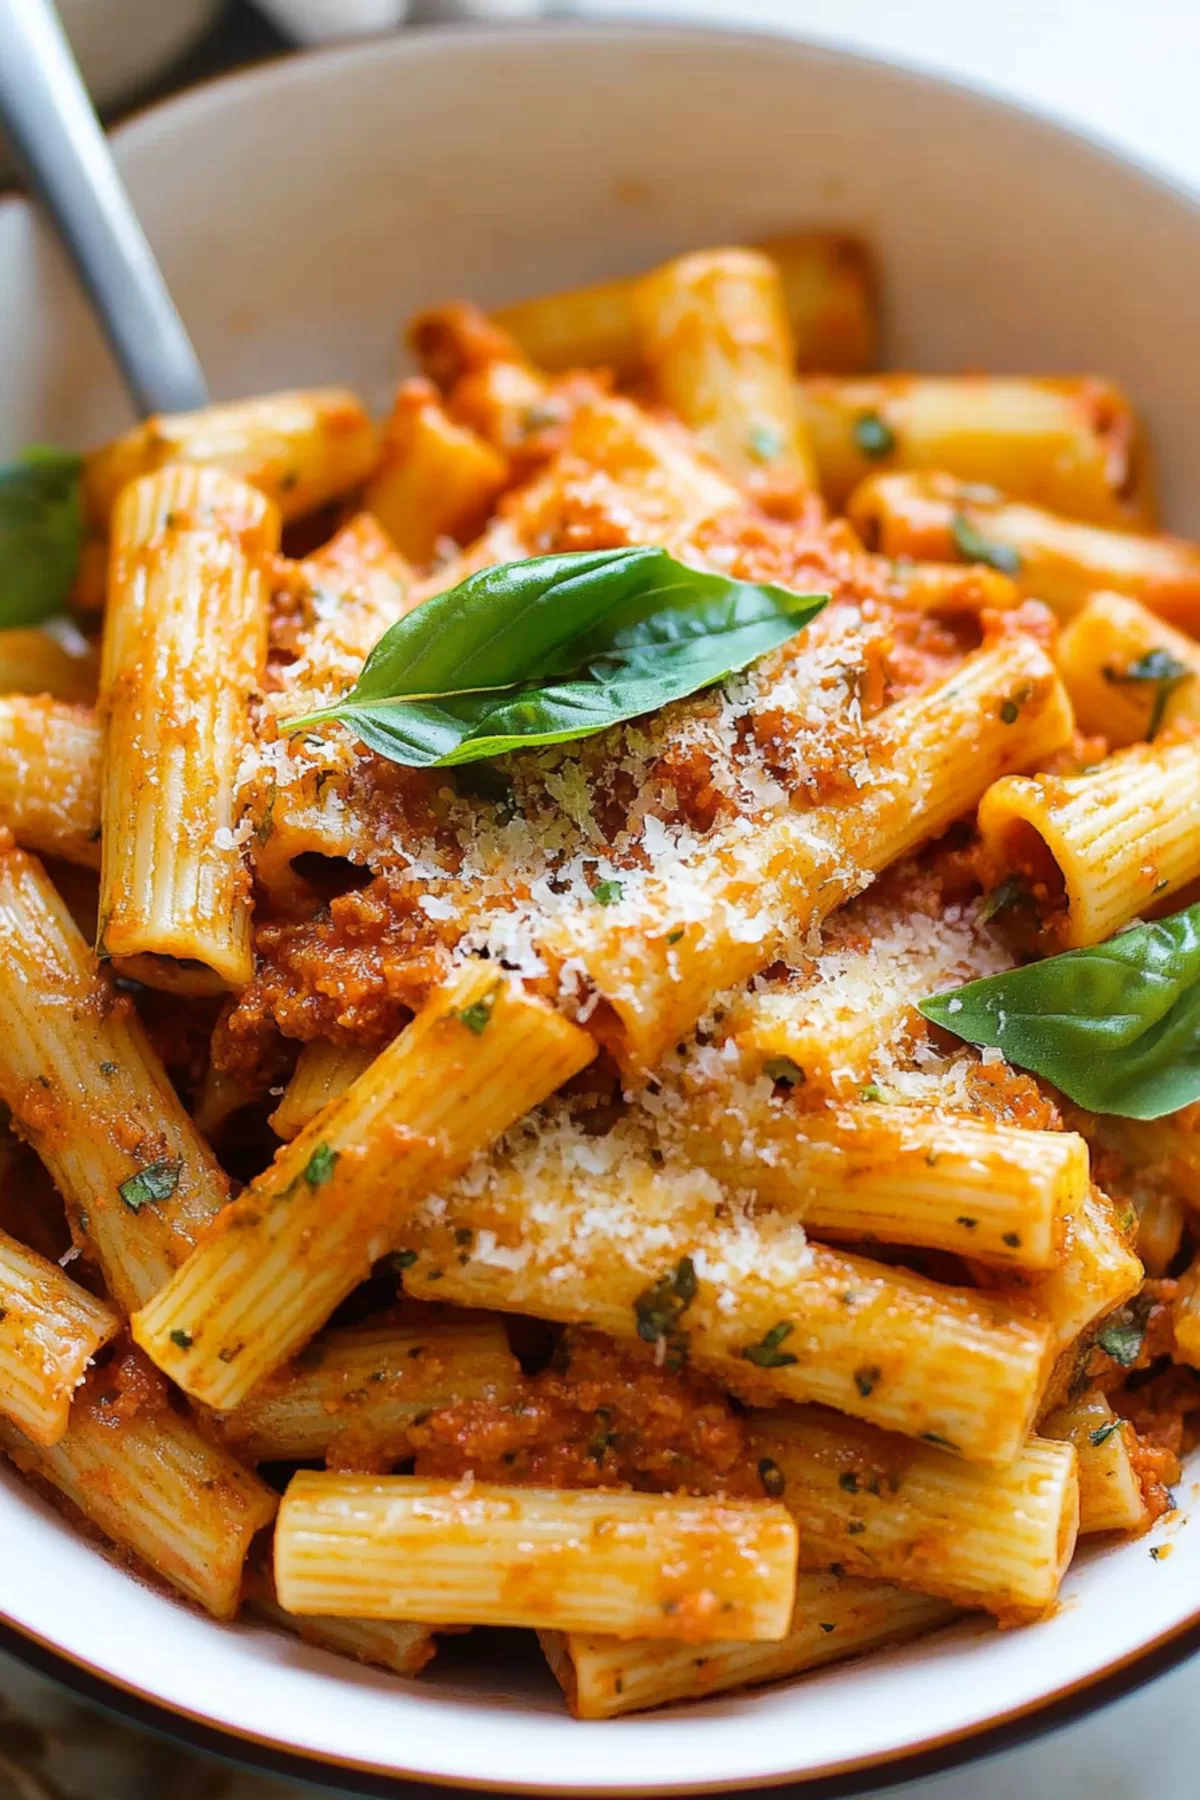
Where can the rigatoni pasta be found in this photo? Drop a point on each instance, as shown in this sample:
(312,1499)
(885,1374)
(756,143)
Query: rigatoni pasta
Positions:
(1098,849)
(88,1091)
(50,1329)
(835,1617)
(289,1249)
(828,291)
(50,777)
(301,450)
(185,642)
(1071,446)
(350,1396)
(147,1478)
(880,1506)
(714,336)
(549,881)
(643,1565)
(1130,675)
(1059,560)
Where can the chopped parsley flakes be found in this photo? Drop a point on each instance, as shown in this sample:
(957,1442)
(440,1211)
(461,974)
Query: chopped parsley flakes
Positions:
(766,1354)
(873,435)
(659,1309)
(477,1016)
(972,546)
(157,1181)
(320,1166)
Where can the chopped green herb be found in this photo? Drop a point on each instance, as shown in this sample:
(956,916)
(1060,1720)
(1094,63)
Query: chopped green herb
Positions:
(765,443)
(109,1068)
(402,1259)
(673,937)
(1010,712)
(476,1016)
(1012,891)
(848,1482)
(782,1068)
(464,1235)
(965,1219)
(1012,1239)
(1103,1432)
(972,546)
(607,893)
(288,480)
(320,1166)
(157,1181)
(1124,1333)
(659,1309)
(1161,671)
(867,1379)
(767,1354)
(934,1437)
(821,1626)
(263,829)
(771,1476)
(873,435)
(602,1442)
(539,417)
(856,1527)
(872,1091)
(182,1340)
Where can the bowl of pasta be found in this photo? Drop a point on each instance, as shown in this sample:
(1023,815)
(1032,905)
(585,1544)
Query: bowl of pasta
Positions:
(598,612)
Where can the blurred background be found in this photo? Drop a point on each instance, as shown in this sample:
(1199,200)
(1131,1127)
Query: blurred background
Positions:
(1126,72)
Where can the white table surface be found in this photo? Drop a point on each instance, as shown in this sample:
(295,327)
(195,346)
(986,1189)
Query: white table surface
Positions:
(1127,69)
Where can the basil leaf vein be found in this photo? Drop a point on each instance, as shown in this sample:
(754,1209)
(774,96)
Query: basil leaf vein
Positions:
(1115,1026)
(554,649)
(41,533)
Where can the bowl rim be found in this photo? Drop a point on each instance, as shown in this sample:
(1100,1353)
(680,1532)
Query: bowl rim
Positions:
(1005,1730)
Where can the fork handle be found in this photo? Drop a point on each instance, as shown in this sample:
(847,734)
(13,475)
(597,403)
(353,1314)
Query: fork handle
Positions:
(49,116)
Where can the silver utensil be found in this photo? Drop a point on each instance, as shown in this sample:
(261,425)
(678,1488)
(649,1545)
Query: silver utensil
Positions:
(46,110)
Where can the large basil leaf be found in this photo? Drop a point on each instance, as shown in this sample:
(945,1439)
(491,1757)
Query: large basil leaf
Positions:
(41,533)
(556,648)
(1116,1027)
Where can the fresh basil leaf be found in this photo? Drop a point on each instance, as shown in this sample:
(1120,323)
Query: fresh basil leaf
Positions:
(41,533)
(554,649)
(1116,1026)
(972,546)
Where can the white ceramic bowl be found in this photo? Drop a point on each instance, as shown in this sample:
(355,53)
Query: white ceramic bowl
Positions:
(301,212)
